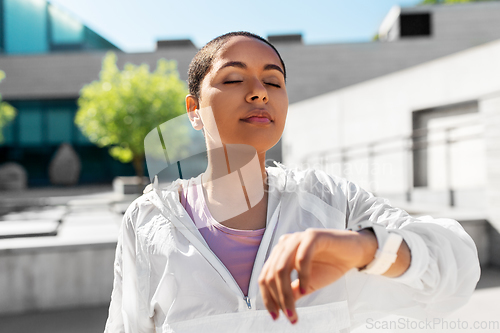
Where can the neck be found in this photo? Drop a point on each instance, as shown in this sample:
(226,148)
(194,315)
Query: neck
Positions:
(231,158)
(235,180)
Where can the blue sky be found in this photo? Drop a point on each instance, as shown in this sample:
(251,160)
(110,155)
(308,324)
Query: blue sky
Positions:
(135,25)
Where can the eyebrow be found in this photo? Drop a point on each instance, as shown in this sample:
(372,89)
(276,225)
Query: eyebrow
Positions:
(240,64)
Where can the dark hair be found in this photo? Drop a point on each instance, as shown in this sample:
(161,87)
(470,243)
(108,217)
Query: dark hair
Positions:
(202,61)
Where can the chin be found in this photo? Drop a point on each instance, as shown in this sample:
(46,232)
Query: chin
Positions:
(261,142)
(262,147)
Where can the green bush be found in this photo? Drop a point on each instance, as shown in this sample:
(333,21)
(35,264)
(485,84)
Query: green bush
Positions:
(119,109)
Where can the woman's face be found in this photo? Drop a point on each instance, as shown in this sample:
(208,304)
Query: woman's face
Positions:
(245,90)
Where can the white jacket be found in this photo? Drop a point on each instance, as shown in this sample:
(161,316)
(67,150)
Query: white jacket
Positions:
(168,280)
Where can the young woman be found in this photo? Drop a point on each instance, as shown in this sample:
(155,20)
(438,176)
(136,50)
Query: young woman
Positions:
(249,248)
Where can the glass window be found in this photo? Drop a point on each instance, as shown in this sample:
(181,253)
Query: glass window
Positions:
(64,28)
(95,42)
(8,134)
(25,26)
(80,138)
(1,26)
(30,126)
(59,125)
(415,24)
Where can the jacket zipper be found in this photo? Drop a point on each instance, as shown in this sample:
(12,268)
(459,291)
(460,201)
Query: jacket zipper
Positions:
(247,300)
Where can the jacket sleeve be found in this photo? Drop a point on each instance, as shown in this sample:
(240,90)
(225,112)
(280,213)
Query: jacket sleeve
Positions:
(444,267)
(128,310)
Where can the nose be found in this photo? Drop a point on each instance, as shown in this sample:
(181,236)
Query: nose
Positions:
(257,92)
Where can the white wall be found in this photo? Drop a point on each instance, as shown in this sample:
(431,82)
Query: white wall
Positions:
(490,111)
(382,108)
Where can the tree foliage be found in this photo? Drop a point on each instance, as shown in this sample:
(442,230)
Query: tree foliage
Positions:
(119,109)
(7,112)
(431,2)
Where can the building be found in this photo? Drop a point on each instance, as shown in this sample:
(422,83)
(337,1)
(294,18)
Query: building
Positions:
(44,82)
(31,31)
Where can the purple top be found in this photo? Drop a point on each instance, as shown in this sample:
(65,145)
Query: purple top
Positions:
(236,248)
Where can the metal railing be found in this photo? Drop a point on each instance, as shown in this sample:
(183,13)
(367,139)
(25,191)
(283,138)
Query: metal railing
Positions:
(417,140)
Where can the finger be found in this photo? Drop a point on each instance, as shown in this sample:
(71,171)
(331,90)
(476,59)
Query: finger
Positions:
(284,267)
(273,263)
(296,289)
(265,286)
(267,282)
(303,262)
(285,293)
(269,301)
(276,271)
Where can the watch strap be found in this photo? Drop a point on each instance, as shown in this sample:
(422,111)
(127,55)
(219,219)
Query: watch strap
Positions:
(385,256)
(388,246)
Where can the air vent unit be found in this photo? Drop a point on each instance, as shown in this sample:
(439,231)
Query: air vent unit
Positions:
(291,38)
(415,24)
(174,43)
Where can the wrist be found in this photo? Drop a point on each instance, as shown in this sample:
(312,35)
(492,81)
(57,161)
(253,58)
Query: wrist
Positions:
(369,245)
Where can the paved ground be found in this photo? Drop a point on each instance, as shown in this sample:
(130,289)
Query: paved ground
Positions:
(85,215)
(86,320)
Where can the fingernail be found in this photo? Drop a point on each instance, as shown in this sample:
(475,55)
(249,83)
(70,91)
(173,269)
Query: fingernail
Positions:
(294,321)
(289,313)
(302,290)
(273,315)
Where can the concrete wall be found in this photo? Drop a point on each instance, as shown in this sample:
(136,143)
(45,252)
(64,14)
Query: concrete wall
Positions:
(62,75)
(467,21)
(494,240)
(490,110)
(480,232)
(382,108)
(45,278)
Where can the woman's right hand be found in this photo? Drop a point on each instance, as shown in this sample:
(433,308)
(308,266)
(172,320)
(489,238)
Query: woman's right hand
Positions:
(320,256)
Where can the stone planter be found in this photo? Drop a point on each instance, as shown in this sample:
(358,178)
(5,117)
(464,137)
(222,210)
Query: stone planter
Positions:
(13,177)
(130,185)
(65,167)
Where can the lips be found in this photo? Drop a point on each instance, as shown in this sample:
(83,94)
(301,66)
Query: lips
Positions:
(259,116)
(257,120)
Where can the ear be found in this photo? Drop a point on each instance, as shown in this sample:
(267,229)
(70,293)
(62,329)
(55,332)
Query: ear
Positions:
(193,108)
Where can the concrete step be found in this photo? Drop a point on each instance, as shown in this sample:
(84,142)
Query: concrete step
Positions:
(30,228)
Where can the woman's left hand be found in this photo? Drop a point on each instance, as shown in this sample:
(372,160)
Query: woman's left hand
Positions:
(320,256)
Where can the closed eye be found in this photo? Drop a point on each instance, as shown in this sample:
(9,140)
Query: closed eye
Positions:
(273,84)
(235,81)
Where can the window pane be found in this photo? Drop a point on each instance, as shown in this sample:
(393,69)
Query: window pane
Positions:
(59,125)
(8,134)
(65,29)
(30,126)
(80,138)
(25,26)
(1,28)
(415,24)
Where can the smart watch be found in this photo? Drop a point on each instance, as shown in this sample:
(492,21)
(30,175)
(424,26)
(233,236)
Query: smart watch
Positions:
(388,246)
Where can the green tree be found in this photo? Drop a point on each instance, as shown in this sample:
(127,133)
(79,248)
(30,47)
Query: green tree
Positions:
(430,2)
(7,112)
(122,107)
